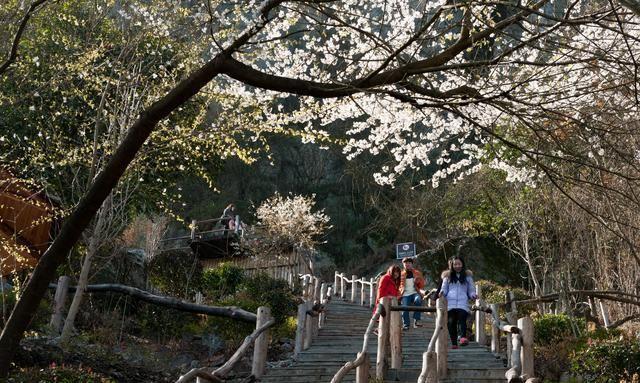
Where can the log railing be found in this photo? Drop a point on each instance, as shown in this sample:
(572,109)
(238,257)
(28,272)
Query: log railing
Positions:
(434,360)
(519,341)
(312,312)
(259,338)
(361,363)
(342,284)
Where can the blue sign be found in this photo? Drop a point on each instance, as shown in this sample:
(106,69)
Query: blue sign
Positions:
(404,250)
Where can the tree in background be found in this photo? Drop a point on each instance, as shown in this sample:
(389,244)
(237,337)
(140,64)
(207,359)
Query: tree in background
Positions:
(286,223)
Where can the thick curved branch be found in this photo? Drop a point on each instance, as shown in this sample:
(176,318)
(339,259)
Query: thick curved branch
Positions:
(13,51)
(250,76)
(174,303)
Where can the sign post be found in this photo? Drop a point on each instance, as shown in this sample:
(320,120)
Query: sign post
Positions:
(404,250)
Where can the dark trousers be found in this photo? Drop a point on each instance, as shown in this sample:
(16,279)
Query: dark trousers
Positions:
(457,317)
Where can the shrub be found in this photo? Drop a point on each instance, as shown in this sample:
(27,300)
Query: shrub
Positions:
(222,281)
(495,293)
(260,290)
(607,360)
(271,292)
(550,328)
(176,273)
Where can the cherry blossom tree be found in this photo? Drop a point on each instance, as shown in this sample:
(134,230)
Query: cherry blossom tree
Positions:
(451,85)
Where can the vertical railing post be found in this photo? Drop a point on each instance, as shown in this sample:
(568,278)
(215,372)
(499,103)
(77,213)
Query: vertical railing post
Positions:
(396,336)
(508,309)
(336,278)
(301,325)
(384,326)
(480,318)
(316,299)
(59,301)
(237,224)
(526,352)
(442,343)
(342,292)
(495,332)
(372,296)
(323,301)
(308,326)
(362,371)
(354,286)
(261,344)
(605,314)
(362,284)
(194,225)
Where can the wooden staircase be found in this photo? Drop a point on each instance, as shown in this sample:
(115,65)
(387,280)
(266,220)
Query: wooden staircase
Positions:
(342,337)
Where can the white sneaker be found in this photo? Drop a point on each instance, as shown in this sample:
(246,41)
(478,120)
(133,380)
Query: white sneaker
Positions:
(416,323)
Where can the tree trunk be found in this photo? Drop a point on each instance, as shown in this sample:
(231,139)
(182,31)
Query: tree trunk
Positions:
(86,209)
(83,281)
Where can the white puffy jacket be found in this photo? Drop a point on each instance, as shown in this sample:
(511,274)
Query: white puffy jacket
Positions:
(458,294)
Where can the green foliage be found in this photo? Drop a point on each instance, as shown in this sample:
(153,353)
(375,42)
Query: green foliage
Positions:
(176,273)
(163,324)
(609,360)
(287,329)
(222,281)
(42,314)
(62,374)
(271,292)
(260,290)
(550,328)
(495,293)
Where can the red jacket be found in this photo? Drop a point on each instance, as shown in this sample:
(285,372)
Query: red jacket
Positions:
(387,287)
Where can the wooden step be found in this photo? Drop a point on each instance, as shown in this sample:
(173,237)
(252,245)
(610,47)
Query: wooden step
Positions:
(341,339)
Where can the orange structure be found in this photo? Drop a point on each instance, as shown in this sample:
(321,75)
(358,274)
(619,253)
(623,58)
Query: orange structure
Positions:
(27,223)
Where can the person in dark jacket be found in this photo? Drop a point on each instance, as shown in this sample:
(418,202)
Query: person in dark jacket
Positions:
(458,288)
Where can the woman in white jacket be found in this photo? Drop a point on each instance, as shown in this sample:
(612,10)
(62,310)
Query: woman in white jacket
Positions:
(458,288)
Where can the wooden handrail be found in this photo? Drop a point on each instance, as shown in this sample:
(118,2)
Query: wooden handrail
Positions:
(362,356)
(434,360)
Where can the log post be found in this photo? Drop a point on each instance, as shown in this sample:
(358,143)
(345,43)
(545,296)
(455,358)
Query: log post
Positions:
(261,344)
(308,326)
(362,371)
(342,292)
(513,374)
(605,314)
(194,225)
(372,295)
(396,336)
(509,307)
(304,287)
(323,301)
(481,337)
(495,332)
(362,284)
(354,286)
(442,343)
(302,315)
(526,353)
(59,301)
(383,338)
(429,372)
(315,320)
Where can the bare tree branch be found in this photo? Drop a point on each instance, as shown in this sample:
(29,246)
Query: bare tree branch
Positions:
(13,52)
